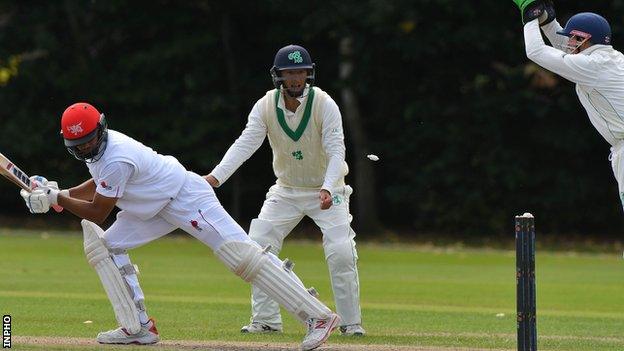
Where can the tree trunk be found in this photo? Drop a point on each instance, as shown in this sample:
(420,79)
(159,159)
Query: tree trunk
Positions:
(80,45)
(230,65)
(366,219)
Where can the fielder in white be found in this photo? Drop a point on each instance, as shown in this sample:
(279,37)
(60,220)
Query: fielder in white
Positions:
(156,195)
(582,53)
(304,128)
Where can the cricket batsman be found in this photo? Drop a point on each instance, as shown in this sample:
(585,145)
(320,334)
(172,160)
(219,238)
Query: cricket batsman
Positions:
(581,52)
(304,128)
(157,195)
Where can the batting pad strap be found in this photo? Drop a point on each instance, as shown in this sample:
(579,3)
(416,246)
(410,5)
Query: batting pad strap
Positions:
(267,272)
(117,251)
(140,305)
(129,269)
(115,286)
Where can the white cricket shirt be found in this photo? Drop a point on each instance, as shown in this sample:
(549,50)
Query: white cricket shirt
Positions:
(308,148)
(143,180)
(598,72)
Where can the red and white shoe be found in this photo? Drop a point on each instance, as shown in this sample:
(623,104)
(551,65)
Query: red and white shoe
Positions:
(147,335)
(318,331)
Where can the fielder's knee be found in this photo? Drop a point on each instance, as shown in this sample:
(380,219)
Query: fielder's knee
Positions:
(339,247)
(264,233)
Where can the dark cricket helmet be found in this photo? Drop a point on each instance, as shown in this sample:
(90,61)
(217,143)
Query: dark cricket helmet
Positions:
(588,25)
(292,57)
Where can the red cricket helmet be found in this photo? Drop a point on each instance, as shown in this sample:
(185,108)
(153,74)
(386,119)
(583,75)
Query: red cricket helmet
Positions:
(81,123)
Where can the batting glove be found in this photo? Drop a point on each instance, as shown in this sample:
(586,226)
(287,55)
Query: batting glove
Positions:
(37,201)
(37,181)
(549,14)
(530,9)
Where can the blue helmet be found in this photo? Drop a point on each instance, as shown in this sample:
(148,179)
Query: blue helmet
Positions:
(291,57)
(588,23)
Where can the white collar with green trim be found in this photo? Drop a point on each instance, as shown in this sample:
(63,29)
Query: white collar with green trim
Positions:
(301,99)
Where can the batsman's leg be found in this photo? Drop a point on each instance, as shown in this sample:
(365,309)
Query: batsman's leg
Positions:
(197,211)
(265,312)
(100,258)
(274,277)
(106,253)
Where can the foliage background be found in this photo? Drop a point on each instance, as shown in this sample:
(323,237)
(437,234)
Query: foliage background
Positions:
(469,131)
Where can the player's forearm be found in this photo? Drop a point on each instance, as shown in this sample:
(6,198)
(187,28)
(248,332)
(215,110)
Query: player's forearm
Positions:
(333,143)
(336,166)
(336,169)
(232,160)
(84,191)
(83,209)
(575,68)
(535,48)
(237,154)
(241,150)
(556,40)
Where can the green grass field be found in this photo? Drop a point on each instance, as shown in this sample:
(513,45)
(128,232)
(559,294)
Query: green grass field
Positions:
(414,296)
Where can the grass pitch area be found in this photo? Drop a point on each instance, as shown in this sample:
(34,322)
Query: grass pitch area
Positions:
(412,296)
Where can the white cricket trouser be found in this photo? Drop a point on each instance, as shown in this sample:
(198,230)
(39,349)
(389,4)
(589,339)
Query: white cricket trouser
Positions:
(283,209)
(196,210)
(617,164)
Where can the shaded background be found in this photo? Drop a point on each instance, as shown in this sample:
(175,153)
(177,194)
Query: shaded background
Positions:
(469,131)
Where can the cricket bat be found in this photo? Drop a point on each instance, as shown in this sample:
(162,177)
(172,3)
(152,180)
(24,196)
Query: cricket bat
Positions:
(11,172)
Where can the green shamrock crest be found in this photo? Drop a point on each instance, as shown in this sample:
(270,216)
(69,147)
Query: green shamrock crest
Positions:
(336,199)
(298,155)
(295,56)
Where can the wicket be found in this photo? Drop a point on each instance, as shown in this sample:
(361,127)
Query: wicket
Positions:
(525,282)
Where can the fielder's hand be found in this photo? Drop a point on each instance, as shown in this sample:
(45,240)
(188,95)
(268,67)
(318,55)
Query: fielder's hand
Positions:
(549,14)
(326,199)
(530,9)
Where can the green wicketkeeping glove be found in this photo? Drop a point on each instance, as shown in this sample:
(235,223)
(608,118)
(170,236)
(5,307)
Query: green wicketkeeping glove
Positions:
(530,9)
(522,4)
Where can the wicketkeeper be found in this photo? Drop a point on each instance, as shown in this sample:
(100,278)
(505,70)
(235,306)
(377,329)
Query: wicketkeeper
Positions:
(581,52)
(157,195)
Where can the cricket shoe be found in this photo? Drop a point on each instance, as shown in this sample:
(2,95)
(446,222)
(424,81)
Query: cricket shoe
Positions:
(352,330)
(147,335)
(318,331)
(257,327)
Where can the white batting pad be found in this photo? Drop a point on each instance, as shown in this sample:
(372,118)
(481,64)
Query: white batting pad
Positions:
(267,272)
(99,258)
